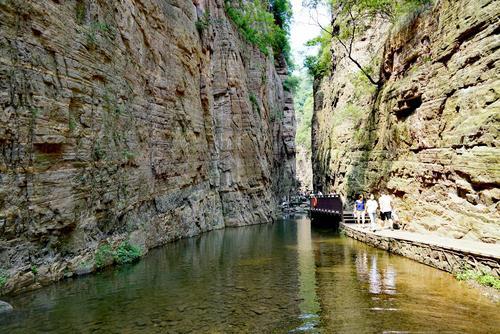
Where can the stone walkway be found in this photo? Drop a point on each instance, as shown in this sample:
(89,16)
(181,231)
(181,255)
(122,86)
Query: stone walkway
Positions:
(463,246)
(460,245)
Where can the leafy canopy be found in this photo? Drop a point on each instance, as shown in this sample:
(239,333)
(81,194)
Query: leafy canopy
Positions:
(303,101)
(349,19)
(264,23)
(320,64)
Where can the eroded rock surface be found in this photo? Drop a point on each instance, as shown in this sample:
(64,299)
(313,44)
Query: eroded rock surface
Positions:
(430,133)
(145,121)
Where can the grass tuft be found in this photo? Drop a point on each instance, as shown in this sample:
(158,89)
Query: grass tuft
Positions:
(481,278)
(127,253)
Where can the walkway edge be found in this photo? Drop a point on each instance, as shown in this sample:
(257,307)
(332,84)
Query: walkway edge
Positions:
(445,258)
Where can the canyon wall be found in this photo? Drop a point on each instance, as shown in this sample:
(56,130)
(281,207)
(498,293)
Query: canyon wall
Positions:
(429,133)
(145,121)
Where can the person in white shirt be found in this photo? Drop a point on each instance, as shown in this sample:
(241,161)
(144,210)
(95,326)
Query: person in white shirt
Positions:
(385,202)
(371,208)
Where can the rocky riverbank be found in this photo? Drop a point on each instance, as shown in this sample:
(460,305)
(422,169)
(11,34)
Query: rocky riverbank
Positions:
(131,122)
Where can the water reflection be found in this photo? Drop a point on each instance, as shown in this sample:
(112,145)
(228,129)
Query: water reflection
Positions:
(309,306)
(279,278)
(365,290)
(379,280)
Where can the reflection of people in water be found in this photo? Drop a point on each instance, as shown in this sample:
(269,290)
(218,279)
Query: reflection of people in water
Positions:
(390,280)
(374,277)
(362,265)
(379,281)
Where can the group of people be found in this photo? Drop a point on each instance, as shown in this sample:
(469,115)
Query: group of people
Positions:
(384,203)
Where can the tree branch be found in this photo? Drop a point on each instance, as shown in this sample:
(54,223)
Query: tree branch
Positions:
(319,24)
(368,76)
(348,49)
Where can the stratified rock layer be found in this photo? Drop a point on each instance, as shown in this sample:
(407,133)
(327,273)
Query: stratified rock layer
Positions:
(429,133)
(145,121)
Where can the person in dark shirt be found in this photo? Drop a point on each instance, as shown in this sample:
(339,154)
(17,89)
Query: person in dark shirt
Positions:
(359,209)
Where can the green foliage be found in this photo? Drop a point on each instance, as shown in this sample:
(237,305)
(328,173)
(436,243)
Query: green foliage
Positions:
(254,102)
(103,256)
(80,11)
(426,59)
(362,86)
(35,112)
(406,12)
(34,269)
(320,65)
(71,123)
(264,23)
(127,253)
(119,109)
(359,135)
(352,17)
(4,276)
(204,22)
(291,83)
(102,28)
(128,155)
(369,9)
(282,12)
(489,280)
(124,253)
(98,152)
(303,103)
(98,28)
(465,275)
(254,22)
(483,279)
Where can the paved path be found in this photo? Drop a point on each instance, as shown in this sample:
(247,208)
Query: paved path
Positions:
(461,245)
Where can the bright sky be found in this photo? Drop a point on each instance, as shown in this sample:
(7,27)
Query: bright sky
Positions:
(304,29)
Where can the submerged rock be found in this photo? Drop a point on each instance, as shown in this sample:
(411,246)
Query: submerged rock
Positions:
(5,307)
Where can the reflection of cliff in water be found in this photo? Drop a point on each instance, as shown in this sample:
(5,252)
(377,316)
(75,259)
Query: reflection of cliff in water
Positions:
(309,307)
(344,303)
(233,280)
(272,278)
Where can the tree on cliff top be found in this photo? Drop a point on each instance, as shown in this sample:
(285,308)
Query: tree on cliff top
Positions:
(349,19)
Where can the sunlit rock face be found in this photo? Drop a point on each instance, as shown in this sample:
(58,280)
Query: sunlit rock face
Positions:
(430,133)
(145,121)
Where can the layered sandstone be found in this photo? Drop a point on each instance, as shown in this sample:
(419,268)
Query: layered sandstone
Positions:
(145,121)
(430,132)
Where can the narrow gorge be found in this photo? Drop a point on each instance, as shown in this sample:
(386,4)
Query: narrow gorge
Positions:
(132,123)
(427,131)
(249,166)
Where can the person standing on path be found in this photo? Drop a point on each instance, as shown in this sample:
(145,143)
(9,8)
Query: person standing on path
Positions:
(385,202)
(359,209)
(371,209)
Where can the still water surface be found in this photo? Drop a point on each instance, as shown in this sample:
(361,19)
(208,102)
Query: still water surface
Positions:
(286,277)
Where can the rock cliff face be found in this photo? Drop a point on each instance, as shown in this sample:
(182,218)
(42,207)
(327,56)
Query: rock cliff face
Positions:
(145,121)
(429,133)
